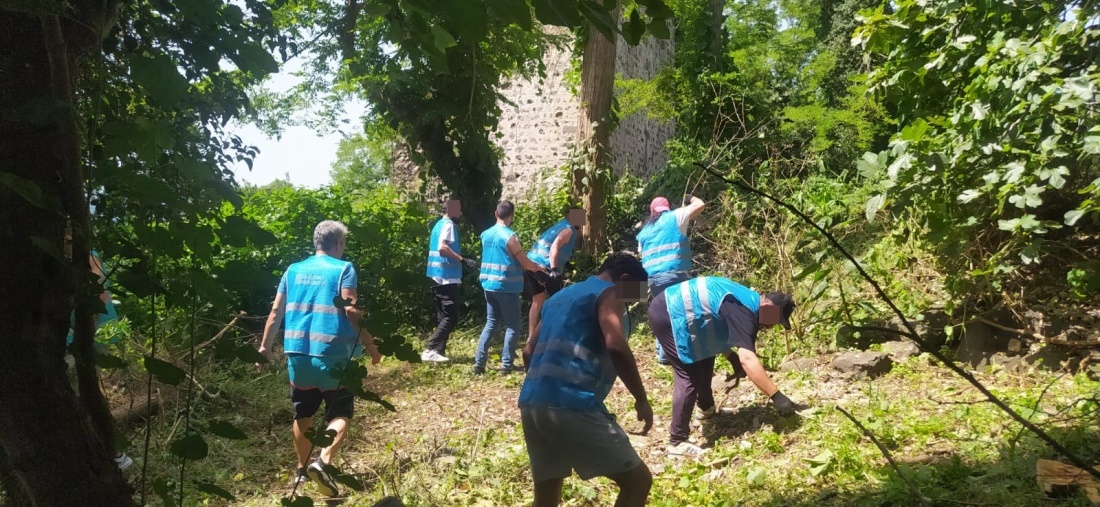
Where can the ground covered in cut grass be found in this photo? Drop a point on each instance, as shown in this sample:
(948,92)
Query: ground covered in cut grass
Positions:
(455,438)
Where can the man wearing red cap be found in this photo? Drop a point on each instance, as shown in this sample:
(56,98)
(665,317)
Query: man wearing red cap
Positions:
(664,246)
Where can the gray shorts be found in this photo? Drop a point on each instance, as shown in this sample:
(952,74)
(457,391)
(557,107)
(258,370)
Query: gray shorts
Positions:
(560,441)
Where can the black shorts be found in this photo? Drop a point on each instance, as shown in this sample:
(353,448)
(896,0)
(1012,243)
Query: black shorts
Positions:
(537,282)
(338,403)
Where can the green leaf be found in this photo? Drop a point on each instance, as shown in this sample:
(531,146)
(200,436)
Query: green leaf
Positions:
(756,476)
(874,204)
(29,191)
(558,12)
(256,60)
(442,38)
(157,74)
(511,11)
(212,489)
(225,429)
(165,372)
(658,28)
(821,463)
(302,501)
(806,271)
(598,16)
(108,362)
(320,437)
(634,28)
(248,354)
(1072,216)
(191,447)
(348,480)
(656,9)
(162,489)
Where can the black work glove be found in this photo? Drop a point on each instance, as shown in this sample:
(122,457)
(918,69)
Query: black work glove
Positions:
(687,199)
(783,404)
(471,263)
(555,274)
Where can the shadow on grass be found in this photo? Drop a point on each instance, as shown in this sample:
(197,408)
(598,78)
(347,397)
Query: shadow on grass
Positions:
(748,419)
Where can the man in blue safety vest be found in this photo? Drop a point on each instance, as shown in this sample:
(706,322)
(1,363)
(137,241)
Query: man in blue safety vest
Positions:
(699,319)
(445,269)
(664,246)
(573,357)
(552,251)
(319,339)
(502,265)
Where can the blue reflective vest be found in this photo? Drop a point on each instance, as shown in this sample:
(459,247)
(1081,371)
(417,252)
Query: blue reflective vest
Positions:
(693,305)
(314,326)
(664,247)
(500,272)
(570,368)
(109,312)
(438,265)
(540,253)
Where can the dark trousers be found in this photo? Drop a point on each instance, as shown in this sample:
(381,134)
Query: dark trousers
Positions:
(447,310)
(690,382)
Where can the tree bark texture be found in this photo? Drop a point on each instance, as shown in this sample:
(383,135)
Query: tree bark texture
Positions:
(54,453)
(592,177)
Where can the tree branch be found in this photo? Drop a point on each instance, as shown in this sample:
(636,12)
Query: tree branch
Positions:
(893,464)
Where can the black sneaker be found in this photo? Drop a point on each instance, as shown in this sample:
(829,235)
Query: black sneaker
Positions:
(479,371)
(325,483)
(506,369)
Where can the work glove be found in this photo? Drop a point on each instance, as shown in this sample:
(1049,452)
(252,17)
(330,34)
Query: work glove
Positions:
(555,274)
(471,263)
(783,404)
(687,199)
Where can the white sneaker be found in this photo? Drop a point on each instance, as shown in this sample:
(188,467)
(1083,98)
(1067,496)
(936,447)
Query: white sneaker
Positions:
(685,449)
(432,356)
(123,461)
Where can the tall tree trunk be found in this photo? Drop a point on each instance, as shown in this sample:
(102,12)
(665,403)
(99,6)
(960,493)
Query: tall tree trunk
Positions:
(592,178)
(55,454)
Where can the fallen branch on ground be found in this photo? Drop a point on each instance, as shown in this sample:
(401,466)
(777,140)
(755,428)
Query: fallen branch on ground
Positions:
(893,464)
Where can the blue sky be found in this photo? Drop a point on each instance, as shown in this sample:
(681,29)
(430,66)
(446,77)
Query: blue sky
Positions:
(302,153)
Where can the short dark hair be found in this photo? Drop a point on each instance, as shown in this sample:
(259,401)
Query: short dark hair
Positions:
(505,209)
(619,264)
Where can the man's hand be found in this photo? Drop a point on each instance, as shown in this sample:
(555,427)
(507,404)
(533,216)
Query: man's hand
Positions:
(645,413)
(471,263)
(266,352)
(687,199)
(375,356)
(555,273)
(783,404)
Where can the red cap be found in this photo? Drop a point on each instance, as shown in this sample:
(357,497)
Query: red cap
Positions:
(658,205)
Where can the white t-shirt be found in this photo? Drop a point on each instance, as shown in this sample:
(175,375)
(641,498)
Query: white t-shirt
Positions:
(683,221)
(447,235)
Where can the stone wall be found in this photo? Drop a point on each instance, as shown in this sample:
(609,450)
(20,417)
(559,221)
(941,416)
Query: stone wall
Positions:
(538,123)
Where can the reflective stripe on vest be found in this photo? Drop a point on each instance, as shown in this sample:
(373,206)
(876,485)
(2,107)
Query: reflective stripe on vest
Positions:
(570,368)
(313,325)
(693,306)
(500,272)
(664,247)
(438,265)
(540,253)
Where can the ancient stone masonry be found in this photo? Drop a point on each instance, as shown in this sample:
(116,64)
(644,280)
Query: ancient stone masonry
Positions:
(538,124)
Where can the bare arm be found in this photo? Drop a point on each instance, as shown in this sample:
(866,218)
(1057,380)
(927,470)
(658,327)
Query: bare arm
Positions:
(97,268)
(274,321)
(695,207)
(353,315)
(755,371)
(559,243)
(445,247)
(529,349)
(610,310)
(517,253)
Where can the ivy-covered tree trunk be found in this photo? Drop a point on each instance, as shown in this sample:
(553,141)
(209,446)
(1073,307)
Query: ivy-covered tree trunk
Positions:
(592,177)
(54,454)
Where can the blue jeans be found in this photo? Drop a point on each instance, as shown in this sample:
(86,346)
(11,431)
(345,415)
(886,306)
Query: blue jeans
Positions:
(500,306)
(657,284)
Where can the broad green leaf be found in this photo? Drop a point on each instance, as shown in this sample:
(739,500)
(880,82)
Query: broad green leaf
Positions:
(634,28)
(1072,216)
(442,38)
(212,489)
(658,28)
(164,491)
(320,437)
(969,195)
(558,12)
(511,11)
(656,9)
(191,447)
(756,476)
(108,362)
(29,191)
(158,75)
(821,463)
(874,204)
(256,60)
(248,354)
(225,429)
(165,372)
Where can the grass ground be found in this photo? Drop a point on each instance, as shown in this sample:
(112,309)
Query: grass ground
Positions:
(455,438)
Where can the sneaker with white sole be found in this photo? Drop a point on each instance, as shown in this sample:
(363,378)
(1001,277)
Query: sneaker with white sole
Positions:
(685,449)
(325,483)
(431,356)
(123,461)
(301,477)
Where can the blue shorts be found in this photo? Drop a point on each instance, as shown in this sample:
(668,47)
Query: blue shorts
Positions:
(309,372)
